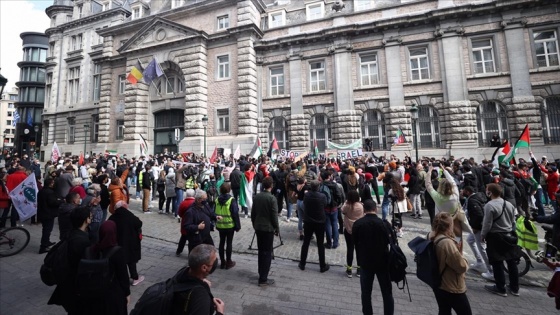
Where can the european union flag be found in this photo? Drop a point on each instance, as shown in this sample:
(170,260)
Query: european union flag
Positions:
(16,118)
(29,118)
(152,72)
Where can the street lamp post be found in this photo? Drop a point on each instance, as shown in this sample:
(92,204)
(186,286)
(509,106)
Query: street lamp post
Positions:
(86,127)
(414,116)
(36,129)
(205,124)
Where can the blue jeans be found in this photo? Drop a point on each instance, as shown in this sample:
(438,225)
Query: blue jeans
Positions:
(331,228)
(538,201)
(385,205)
(179,198)
(299,209)
(366,283)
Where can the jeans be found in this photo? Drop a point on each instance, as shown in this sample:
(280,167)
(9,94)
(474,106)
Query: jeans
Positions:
(350,249)
(180,197)
(48,225)
(446,301)
(289,213)
(145,199)
(13,216)
(308,230)
(128,181)
(385,205)
(331,228)
(264,244)
(538,201)
(479,251)
(85,184)
(366,283)
(416,204)
(299,209)
(173,205)
(226,236)
(104,210)
(182,242)
(545,194)
(500,277)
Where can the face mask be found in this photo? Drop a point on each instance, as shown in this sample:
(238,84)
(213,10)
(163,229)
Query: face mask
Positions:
(214,266)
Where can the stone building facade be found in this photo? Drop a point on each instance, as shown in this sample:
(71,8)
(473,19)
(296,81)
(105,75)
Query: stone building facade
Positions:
(302,71)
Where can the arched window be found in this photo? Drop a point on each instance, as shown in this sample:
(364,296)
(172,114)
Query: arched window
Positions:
(279,128)
(491,120)
(373,131)
(550,115)
(427,127)
(320,130)
(170,85)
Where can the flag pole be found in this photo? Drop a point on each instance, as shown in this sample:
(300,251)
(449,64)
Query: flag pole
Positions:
(166,78)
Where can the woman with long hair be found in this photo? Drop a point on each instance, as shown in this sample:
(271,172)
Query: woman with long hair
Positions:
(451,294)
(352,211)
(227,208)
(160,186)
(414,191)
(398,200)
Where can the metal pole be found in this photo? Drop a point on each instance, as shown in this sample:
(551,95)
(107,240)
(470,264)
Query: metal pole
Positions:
(205,141)
(85,140)
(415,139)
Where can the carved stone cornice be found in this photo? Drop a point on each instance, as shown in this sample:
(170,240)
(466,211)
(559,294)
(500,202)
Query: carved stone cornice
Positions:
(514,23)
(392,40)
(450,31)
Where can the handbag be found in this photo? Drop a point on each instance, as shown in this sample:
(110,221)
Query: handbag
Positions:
(408,205)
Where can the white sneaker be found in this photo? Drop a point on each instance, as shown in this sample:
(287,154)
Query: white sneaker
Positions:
(246,216)
(400,234)
(479,267)
(137,281)
(287,219)
(488,275)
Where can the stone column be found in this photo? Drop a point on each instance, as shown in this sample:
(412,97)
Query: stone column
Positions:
(105,104)
(194,64)
(524,110)
(247,82)
(299,132)
(298,124)
(346,126)
(136,107)
(247,13)
(458,118)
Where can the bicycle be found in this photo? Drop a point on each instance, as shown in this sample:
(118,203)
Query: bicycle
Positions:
(13,240)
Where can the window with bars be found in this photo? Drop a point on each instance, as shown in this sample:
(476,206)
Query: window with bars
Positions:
(223,120)
(427,127)
(73,85)
(419,66)
(550,115)
(320,130)
(276,81)
(368,69)
(483,55)
(317,76)
(546,48)
(96,82)
(491,119)
(373,131)
(223,67)
(278,128)
(223,22)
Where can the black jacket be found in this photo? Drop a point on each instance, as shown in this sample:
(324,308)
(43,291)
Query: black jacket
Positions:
(553,219)
(47,204)
(235,179)
(129,228)
(371,237)
(314,203)
(196,300)
(413,184)
(470,179)
(64,223)
(193,217)
(147,178)
(475,207)
(509,190)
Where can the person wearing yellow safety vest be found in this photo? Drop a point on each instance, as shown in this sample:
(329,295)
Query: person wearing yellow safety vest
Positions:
(227,208)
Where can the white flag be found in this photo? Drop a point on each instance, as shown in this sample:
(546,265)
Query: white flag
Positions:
(237,153)
(55,153)
(24,198)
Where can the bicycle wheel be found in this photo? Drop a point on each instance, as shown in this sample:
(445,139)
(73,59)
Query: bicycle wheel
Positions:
(523,264)
(13,240)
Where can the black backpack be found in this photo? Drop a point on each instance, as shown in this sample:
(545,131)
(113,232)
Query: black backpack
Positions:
(95,274)
(158,298)
(212,191)
(293,178)
(397,261)
(427,265)
(325,190)
(55,266)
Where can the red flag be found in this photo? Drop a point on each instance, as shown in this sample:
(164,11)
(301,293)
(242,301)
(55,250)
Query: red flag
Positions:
(214,155)
(275,145)
(81,159)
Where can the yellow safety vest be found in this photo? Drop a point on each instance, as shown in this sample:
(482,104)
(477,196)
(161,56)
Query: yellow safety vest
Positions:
(223,210)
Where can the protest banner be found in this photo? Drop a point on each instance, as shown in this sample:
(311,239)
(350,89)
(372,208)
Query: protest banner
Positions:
(24,198)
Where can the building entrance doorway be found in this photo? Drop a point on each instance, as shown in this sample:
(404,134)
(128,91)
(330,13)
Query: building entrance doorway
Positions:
(164,130)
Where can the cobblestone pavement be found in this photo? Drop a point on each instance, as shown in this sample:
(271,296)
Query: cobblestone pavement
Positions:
(295,291)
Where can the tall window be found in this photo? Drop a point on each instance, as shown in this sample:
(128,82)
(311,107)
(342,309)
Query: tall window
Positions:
(122,84)
(276,81)
(120,129)
(320,130)
(491,120)
(48,89)
(223,67)
(315,11)
(317,76)
(550,115)
(73,85)
(368,69)
(427,127)
(419,67)
(223,22)
(71,132)
(76,42)
(223,120)
(51,49)
(546,48)
(80,11)
(95,130)
(373,131)
(278,128)
(96,82)
(483,56)
(135,13)
(276,19)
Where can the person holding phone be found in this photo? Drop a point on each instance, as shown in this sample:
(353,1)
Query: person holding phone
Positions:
(198,221)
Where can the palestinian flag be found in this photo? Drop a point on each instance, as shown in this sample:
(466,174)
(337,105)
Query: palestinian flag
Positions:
(214,155)
(315,148)
(246,191)
(273,147)
(135,74)
(399,138)
(500,154)
(257,149)
(524,141)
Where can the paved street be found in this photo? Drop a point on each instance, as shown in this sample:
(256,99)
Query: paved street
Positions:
(295,291)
